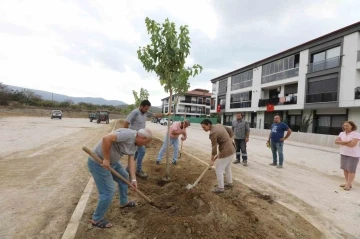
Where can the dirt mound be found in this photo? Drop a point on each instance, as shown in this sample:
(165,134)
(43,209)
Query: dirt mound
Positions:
(198,213)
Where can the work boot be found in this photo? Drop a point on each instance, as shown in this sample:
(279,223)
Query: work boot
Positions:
(157,162)
(245,163)
(174,162)
(272,164)
(141,174)
(236,161)
(279,166)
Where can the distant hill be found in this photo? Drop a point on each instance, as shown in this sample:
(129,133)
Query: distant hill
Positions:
(60,98)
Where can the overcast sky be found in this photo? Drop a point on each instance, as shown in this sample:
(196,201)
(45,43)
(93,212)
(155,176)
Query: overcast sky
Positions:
(88,48)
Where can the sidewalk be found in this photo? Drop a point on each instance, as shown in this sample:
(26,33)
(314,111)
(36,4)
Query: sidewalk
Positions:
(308,183)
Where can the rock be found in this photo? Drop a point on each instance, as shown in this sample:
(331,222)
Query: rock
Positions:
(199,233)
(188,231)
(193,230)
(186,224)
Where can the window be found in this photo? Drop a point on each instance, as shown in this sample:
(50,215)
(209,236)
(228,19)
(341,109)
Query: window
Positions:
(325,60)
(322,90)
(281,65)
(241,100)
(223,86)
(281,69)
(242,80)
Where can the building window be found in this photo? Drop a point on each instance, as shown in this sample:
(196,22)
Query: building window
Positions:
(322,90)
(222,86)
(329,124)
(241,100)
(281,69)
(325,60)
(242,80)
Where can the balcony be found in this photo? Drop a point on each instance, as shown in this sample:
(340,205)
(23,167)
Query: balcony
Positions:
(195,102)
(324,65)
(280,75)
(244,104)
(191,111)
(289,100)
(212,107)
(322,97)
(222,107)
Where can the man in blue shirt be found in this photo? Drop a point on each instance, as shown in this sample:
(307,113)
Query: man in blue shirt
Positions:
(277,140)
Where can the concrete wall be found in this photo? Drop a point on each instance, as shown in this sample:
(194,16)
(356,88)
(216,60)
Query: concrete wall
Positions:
(348,78)
(304,56)
(307,138)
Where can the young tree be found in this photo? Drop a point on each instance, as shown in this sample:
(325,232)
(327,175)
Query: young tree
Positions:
(166,55)
(144,95)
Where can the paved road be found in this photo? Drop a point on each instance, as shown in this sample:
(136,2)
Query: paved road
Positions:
(43,172)
(307,184)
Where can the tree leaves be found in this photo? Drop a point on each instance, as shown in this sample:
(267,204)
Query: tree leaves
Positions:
(166,55)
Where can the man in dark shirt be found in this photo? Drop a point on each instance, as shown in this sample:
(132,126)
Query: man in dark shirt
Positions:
(277,139)
(241,131)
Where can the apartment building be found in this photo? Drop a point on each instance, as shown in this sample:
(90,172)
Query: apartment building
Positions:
(320,78)
(194,103)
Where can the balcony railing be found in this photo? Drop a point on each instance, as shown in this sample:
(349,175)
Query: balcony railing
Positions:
(222,107)
(244,104)
(195,102)
(322,97)
(191,111)
(324,65)
(280,75)
(358,55)
(289,100)
(212,107)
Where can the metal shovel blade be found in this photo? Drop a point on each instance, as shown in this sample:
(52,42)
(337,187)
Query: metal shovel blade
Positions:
(189,186)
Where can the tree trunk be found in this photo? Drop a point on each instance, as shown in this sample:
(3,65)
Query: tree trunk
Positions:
(168,138)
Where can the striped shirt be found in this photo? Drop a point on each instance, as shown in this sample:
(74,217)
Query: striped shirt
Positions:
(137,119)
(240,128)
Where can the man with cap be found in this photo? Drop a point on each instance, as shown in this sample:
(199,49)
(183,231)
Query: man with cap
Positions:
(176,129)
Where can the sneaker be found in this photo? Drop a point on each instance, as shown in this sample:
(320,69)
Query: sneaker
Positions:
(236,161)
(279,166)
(174,162)
(273,164)
(245,163)
(157,162)
(141,174)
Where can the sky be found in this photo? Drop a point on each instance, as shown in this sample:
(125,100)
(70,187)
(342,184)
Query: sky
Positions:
(88,48)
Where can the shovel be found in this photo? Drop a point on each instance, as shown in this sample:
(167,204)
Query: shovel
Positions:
(190,186)
(99,160)
(181,148)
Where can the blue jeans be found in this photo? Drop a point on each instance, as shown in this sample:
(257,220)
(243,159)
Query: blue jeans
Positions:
(277,147)
(139,156)
(104,181)
(174,143)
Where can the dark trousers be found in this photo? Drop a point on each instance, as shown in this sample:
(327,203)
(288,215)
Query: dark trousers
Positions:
(241,145)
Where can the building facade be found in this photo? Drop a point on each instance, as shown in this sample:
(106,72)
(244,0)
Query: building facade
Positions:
(194,103)
(319,79)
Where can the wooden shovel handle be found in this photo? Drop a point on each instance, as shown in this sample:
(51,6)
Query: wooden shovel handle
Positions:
(99,160)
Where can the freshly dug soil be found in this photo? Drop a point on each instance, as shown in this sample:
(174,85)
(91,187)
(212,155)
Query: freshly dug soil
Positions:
(198,213)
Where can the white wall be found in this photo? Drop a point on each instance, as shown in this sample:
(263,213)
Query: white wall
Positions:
(304,56)
(354,115)
(348,78)
(228,94)
(256,88)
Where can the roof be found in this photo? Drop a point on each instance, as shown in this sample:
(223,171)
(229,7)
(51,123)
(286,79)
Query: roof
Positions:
(195,92)
(338,33)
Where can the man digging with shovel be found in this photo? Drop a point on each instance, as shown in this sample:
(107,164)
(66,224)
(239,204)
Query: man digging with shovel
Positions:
(221,136)
(111,148)
(176,129)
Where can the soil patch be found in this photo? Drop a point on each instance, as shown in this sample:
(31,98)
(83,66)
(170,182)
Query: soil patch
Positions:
(240,212)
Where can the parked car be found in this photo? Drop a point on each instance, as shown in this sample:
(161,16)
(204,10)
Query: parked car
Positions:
(101,115)
(164,121)
(56,114)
